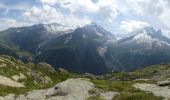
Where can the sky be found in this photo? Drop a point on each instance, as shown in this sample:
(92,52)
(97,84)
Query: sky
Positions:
(117,16)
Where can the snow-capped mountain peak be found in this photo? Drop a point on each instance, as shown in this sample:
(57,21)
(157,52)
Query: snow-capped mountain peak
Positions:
(58,28)
(148,36)
(99,31)
(143,38)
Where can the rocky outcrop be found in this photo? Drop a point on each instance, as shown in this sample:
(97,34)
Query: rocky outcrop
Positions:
(163,83)
(9,82)
(156,90)
(62,71)
(71,89)
(18,77)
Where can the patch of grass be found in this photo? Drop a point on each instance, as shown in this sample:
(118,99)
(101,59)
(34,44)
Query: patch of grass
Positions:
(96,97)
(128,92)
(117,86)
(93,91)
(137,96)
(31,72)
(162,70)
(4,90)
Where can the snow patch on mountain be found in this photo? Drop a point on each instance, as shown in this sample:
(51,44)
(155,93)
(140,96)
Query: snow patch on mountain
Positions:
(145,38)
(58,28)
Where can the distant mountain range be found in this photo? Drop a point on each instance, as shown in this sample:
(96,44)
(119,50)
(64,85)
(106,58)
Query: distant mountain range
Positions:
(89,48)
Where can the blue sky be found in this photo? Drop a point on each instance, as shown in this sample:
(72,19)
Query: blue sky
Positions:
(117,16)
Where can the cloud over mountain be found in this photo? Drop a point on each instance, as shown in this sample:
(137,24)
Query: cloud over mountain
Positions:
(110,14)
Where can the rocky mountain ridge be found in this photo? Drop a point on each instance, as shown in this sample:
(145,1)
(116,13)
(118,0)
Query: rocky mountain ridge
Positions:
(84,49)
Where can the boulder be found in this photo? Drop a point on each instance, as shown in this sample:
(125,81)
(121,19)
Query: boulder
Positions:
(156,90)
(9,82)
(18,77)
(163,83)
(62,71)
(71,89)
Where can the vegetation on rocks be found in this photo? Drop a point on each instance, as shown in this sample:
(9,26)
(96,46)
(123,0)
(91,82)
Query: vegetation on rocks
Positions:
(115,85)
(38,76)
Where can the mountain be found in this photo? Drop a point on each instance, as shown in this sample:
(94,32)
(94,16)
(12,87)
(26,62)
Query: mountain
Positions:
(29,38)
(84,49)
(77,49)
(143,47)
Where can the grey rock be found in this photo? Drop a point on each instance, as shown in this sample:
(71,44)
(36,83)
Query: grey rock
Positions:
(156,90)
(71,89)
(108,95)
(163,83)
(62,71)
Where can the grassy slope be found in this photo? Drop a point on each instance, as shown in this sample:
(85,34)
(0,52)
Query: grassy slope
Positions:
(33,72)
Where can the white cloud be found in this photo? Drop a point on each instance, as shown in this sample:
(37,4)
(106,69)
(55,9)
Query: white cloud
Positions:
(73,5)
(109,13)
(51,2)
(133,25)
(19,6)
(48,14)
(166,33)
(156,12)
(10,22)
(108,9)
(102,9)
(7,22)
(165,17)
(144,7)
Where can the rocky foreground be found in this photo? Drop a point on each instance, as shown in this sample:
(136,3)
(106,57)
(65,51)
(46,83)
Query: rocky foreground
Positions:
(20,81)
(156,90)
(79,89)
(71,89)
